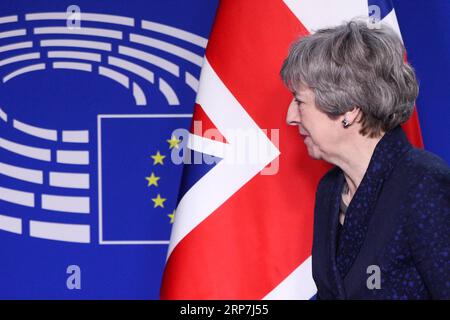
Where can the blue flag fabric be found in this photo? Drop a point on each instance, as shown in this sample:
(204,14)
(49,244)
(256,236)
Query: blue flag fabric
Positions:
(130,211)
(90,95)
(425,28)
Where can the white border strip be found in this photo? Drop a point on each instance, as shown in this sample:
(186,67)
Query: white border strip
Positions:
(22,57)
(16,46)
(168,47)
(26,151)
(18,72)
(152,59)
(79,233)
(13,33)
(76,136)
(3,115)
(114,75)
(8,19)
(96,17)
(73,66)
(76,43)
(168,92)
(66,203)
(175,32)
(96,32)
(139,95)
(25,174)
(17,197)
(36,131)
(69,180)
(10,224)
(132,67)
(191,81)
(72,157)
(75,55)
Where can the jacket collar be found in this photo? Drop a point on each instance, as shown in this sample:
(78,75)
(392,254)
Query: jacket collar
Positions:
(387,153)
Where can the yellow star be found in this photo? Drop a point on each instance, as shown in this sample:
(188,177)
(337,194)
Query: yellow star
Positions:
(152,180)
(171,216)
(159,202)
(173,142)
(158,158)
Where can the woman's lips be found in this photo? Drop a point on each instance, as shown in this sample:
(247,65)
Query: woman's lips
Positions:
(303,134)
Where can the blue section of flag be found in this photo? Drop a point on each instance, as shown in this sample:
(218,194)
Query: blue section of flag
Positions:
(63,100)
(425,27)
(128,212)
(199,165)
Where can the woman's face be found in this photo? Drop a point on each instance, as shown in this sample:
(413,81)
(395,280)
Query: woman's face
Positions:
(317,129)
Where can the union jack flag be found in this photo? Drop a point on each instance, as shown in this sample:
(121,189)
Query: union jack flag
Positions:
(244,230)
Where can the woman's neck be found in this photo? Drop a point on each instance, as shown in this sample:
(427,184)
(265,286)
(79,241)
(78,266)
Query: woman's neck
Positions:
(354,159)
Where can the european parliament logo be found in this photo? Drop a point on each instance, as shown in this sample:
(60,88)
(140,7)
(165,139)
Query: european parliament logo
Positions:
(89,101)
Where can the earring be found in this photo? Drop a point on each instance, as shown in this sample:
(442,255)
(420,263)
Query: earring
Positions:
(345,123)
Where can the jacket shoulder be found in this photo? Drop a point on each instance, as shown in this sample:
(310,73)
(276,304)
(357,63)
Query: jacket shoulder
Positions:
(423,163)
(428,208)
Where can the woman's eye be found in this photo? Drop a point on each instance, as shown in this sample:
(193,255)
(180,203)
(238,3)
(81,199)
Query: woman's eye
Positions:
(298,102)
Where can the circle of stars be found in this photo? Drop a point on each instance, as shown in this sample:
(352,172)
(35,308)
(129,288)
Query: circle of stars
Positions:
(153,179)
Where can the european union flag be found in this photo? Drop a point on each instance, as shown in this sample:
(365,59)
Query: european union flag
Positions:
(133,204)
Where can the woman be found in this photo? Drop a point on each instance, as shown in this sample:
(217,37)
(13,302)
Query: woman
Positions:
(382,214)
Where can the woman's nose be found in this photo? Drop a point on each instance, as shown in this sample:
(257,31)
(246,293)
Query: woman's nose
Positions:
(293,116)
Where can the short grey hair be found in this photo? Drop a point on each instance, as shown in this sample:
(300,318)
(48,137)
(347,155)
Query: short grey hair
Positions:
(353,65)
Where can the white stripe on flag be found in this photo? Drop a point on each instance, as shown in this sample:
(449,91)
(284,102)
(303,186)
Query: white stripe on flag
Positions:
(391,20)
(299,285)
(317,14)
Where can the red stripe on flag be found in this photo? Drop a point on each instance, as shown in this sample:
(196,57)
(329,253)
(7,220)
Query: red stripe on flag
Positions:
(412,126)
(412,130)
(201,124)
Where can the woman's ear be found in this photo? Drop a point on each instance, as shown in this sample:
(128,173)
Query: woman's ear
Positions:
(352,116)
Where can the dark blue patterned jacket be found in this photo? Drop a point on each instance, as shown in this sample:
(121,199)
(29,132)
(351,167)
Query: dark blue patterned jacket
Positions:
(398,220)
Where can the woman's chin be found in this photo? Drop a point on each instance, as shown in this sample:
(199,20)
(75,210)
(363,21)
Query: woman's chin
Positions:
(315,156)
(313,153)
